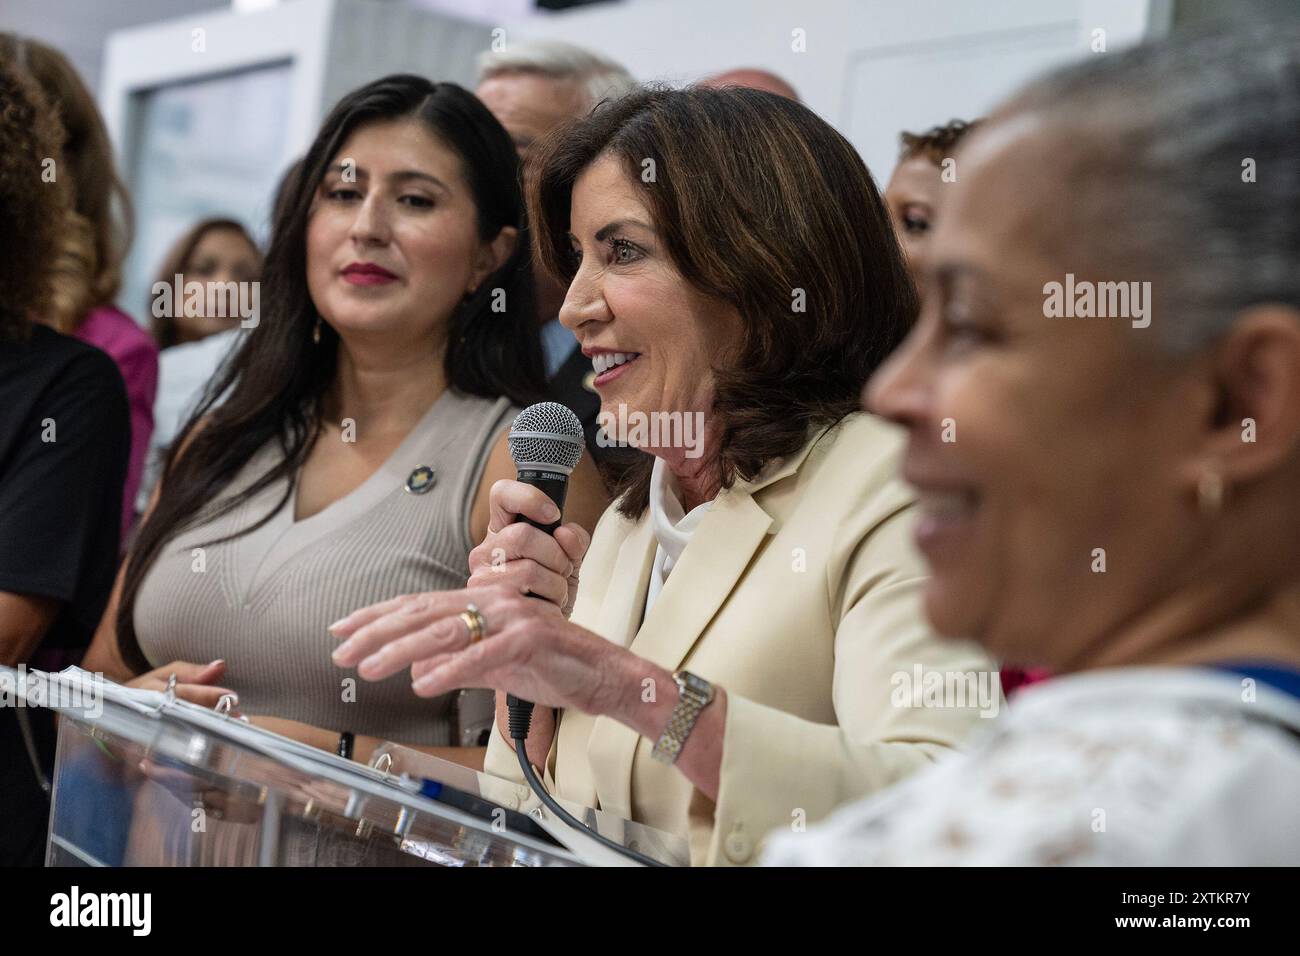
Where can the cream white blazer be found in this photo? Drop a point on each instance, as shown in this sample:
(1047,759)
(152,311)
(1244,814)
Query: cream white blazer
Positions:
(799,593)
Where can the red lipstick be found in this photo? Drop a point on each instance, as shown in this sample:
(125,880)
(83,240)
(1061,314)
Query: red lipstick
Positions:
(367,273)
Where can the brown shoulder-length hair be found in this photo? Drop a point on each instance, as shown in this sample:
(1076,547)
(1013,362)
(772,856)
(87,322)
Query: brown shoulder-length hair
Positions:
(87,270)
(177,262)
(31,222)
(764,206)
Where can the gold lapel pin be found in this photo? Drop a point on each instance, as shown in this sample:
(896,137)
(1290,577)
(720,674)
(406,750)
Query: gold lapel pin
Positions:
(421,480)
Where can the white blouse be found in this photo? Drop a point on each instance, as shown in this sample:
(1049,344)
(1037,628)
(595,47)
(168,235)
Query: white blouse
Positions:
(672,527)
(1175,766)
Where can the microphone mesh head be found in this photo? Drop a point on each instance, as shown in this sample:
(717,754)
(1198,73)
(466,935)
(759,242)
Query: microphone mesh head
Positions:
(546,435)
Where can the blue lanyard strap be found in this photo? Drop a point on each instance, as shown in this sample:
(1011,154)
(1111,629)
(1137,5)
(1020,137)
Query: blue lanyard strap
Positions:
(1285,679)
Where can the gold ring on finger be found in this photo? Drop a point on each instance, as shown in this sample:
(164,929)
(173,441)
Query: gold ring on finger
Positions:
(475,622)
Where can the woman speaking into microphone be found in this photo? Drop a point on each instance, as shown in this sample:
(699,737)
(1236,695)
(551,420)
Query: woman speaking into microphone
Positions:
(729,659)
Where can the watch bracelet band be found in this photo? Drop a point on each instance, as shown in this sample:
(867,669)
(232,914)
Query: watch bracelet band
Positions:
(690,703)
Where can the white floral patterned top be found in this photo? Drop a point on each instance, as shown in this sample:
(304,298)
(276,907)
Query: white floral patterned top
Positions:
(1174,766)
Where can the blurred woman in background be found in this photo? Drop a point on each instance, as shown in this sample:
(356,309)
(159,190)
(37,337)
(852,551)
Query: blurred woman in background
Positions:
(913,197)
(215,250)
(915,187)
(87,270)
(1120,503)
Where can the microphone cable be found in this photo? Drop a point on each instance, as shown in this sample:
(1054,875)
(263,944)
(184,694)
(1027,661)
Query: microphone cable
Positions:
(546,442)
(520,719)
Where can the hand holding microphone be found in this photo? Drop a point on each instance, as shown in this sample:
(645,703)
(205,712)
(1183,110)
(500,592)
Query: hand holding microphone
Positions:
(494,636)
(527,548)
(519,557)
(546,445)
(518,554)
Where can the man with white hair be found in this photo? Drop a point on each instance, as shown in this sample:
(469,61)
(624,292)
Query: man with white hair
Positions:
(532,88)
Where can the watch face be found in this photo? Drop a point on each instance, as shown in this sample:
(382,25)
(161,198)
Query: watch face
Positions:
(697,685)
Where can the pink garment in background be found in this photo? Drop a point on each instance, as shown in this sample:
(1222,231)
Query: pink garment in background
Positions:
(1014,678)
(111,330)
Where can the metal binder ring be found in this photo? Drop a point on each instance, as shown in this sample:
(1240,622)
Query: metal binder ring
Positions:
(386,759)
(225,704)
(404,820)
(169,695)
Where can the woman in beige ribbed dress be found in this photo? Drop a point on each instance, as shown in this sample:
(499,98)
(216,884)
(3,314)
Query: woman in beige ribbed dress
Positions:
(345,452)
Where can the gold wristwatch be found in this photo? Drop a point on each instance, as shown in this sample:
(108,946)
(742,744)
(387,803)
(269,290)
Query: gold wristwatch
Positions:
(694,694)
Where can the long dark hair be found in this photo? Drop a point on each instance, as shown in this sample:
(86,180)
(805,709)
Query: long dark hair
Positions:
(278,378)
(755,198)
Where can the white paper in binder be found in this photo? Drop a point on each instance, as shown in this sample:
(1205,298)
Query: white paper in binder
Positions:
(84,685)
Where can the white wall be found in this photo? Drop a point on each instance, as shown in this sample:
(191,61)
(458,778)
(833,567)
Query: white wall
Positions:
(198,133)
(869,67)
(335,46)
(79,27)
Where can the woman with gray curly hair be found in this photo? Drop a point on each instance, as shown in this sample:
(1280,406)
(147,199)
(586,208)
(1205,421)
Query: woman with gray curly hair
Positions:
(1112,330)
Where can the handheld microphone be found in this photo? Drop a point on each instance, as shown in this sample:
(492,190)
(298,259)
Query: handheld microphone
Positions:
(546,444)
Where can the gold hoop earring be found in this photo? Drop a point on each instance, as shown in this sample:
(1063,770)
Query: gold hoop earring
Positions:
(1210,492)
(315,332)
